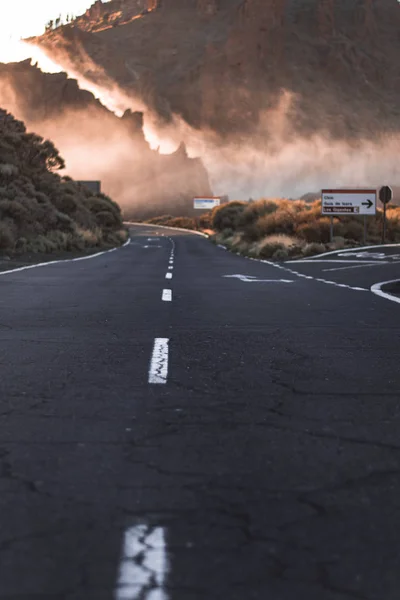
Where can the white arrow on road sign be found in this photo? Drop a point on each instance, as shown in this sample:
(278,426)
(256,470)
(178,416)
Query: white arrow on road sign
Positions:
(251,279)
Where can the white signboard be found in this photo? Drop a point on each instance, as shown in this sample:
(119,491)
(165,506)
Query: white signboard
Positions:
(206,203)
(353,202)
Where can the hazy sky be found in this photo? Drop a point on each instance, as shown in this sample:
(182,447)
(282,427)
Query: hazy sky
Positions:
(22,18)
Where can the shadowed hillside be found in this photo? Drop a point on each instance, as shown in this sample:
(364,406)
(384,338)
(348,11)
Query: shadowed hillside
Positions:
(41,211)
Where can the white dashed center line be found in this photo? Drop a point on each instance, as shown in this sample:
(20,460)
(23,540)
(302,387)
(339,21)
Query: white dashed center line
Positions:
(158,371)
(144,565)
(168,276)
(167,296)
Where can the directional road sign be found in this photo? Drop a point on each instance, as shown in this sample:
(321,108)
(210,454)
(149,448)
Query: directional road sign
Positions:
(353,202)
(206,203)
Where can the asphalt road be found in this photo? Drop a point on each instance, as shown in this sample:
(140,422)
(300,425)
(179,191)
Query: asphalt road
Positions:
(238,440)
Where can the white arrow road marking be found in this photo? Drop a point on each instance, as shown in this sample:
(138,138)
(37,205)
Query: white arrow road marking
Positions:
(158,371)
(143,567)
(251,279)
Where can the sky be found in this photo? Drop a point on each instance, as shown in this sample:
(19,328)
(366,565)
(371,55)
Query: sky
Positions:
(25,18)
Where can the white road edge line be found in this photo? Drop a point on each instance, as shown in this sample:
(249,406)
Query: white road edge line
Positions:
(158,371)
(168,276)
(67,260)
(143,564)
(167,296)
(377,289)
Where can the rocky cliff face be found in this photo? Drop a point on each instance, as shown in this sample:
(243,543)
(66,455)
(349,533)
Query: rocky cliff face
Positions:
(98,145)
(221,64)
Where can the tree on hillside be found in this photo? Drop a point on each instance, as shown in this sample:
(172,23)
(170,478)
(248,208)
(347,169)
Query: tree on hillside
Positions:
(40,154)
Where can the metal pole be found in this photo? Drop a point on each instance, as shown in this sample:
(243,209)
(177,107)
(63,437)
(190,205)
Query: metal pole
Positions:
(384,225)
(331,229)
(365,230)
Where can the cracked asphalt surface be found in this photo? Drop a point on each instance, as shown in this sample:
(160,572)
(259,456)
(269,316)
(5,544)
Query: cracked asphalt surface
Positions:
(270,459)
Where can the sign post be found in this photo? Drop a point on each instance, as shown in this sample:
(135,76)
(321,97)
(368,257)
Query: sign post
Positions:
(385,196)
(365,230)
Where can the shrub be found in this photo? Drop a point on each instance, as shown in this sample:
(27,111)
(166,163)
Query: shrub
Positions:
(66,203)
(183,222)
(90,237)
(255,210)
(280,221)
(39,210)
(313,249)
(14,210)
(161,220)
(107,219)
(280,254)
(7,239)
(318,231)
(354,230)
(227,215)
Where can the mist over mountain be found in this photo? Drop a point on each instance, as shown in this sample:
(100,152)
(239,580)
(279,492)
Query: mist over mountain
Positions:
(276,97)
(221,64)
(97,144)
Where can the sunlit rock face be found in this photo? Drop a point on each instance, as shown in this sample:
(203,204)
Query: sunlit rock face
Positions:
(222,64)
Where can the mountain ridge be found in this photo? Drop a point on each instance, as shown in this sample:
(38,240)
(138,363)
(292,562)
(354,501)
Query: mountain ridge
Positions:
(252,49)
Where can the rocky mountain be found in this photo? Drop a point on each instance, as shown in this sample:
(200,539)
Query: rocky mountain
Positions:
(97,144)
(222,64)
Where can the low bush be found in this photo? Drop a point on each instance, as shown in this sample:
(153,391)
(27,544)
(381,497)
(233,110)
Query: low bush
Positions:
(227,215)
